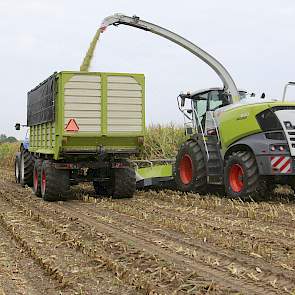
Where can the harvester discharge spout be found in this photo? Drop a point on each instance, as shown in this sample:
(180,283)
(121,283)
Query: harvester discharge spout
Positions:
(228,83)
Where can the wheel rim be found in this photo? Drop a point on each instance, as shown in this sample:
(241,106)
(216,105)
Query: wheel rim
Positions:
(186,169)
(236,178)
(35,179)
(43,182)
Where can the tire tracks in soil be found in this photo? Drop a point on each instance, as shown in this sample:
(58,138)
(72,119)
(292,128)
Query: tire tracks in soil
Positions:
(184,278)
(14,277)
(180,261)
(174,241)
(240,242)
(74,271)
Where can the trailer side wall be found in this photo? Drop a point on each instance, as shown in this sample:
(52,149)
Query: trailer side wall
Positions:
(108,108)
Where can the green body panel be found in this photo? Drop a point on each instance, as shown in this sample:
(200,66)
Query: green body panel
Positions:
(238,122)
(52,138)
(155,171)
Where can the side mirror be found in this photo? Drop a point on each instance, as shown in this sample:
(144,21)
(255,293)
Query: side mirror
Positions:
(17,126)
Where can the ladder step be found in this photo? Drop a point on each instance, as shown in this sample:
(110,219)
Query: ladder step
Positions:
(212,171)
(215,179)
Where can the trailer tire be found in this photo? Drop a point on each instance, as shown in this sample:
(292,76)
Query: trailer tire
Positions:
(124,183)
(26,168)
(37,177)
(55,184)
(241,176)
(17,167)
(190,172)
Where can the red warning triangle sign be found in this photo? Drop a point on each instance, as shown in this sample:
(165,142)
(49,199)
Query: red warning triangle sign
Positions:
(72,126)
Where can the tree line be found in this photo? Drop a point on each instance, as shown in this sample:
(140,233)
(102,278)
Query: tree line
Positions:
(4,138)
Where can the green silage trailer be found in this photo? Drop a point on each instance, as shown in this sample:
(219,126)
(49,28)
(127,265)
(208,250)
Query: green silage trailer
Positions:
(83,126)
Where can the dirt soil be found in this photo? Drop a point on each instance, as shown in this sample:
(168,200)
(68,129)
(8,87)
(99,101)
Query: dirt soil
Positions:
(161,242)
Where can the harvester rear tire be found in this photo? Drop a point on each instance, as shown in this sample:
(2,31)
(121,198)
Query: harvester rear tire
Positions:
(241,176)
(55,184)
(26,168)
(123,183)
(17,167)
(37,177)
(190,174)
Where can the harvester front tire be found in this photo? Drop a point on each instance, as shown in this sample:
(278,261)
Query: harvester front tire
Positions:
(55,184)
(17,167)
(190,174)
(26,168)
(241,176)
(123,183)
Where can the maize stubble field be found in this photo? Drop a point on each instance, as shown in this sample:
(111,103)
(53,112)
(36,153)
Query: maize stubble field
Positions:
(159,242)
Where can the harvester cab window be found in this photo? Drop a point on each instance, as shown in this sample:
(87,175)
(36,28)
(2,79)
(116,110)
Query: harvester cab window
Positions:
(200,104)
(208,101)
(216,100)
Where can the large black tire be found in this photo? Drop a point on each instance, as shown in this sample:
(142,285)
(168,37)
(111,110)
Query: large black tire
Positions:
(241,176)
(123,182)
(55,184)
(26,168)
(37,177)
(190,172)
(17,167)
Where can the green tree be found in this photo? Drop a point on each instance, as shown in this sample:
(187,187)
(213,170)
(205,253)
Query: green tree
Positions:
(3,137)
(9,139)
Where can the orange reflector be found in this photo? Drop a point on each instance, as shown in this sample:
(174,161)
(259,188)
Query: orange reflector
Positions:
(72,126)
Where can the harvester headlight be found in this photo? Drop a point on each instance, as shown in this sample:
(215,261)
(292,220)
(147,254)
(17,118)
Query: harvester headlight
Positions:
(281,148)
(272,148)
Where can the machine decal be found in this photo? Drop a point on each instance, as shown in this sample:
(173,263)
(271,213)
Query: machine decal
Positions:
(281,164)
(72,126)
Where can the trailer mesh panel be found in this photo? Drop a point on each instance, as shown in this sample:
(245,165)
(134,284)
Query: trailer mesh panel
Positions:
(40,103)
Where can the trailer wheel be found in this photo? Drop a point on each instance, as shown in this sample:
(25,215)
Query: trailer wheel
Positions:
(26,168)
(241,176)
(37,177)
(55,184)
(17,167)
(124,183)
(190,167)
